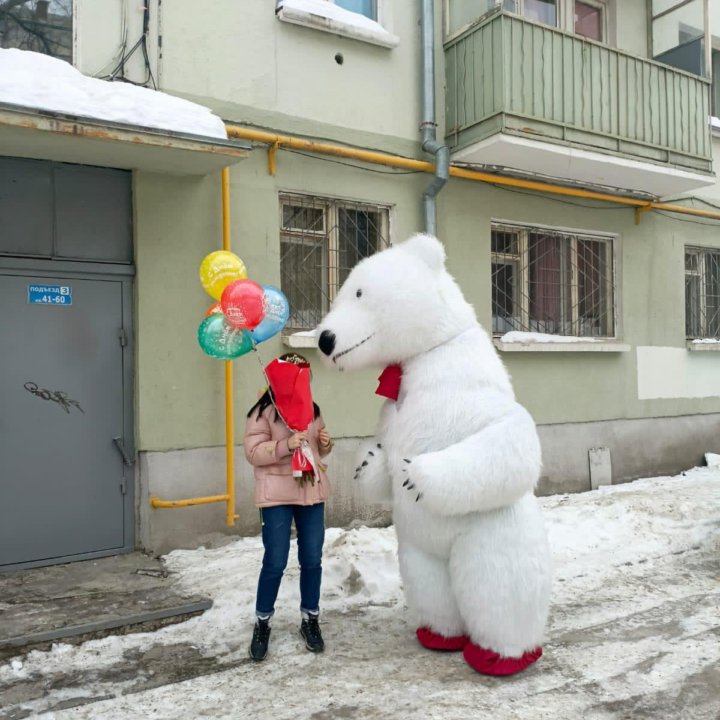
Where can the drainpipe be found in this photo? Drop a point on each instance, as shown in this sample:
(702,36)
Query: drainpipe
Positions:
(428,124)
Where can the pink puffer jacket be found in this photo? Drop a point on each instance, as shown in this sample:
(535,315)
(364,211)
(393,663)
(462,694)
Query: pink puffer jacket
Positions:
(266,449)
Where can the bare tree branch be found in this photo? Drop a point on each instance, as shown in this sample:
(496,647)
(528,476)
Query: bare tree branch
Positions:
(8,5)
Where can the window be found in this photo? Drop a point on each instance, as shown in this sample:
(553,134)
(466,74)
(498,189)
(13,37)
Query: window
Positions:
(321,241)
(363,20)
(368,8)
(593,19)
(702,293)
(552,282)
(43,26)
(543,11)
(589,20)
(678,34)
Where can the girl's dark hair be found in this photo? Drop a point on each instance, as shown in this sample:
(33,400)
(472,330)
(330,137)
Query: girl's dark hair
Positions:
(266,399)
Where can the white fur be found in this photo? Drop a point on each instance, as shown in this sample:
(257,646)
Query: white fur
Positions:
(472,550)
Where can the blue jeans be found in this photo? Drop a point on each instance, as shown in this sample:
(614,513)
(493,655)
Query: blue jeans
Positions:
(310,527)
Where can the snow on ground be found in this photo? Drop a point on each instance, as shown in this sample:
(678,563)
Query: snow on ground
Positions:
(634,628)
(40,81)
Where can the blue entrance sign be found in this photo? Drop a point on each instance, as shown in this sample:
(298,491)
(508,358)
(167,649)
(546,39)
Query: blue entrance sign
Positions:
(49,295)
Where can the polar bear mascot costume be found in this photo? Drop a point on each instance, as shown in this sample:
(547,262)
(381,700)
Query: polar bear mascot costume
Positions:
(455,455)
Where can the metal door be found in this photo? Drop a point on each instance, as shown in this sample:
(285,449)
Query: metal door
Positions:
(63,481)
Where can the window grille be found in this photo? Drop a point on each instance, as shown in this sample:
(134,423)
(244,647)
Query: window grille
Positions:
(321,241)
(702,293)
(552,282)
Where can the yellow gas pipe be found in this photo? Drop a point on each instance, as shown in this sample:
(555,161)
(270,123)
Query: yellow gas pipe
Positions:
(275,142)
(229,496)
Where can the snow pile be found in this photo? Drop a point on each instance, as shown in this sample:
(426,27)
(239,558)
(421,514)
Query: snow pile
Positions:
(535,337)
(617,525)
(39,81)
(706,341)
(712,460)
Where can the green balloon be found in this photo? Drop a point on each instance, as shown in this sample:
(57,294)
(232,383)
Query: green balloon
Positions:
(220,340)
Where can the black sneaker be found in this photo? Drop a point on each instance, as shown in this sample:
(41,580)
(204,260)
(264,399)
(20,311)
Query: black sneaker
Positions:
(260,640)
(310,630)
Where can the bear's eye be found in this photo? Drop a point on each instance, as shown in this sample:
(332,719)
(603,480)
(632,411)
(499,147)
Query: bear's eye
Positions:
(358,293)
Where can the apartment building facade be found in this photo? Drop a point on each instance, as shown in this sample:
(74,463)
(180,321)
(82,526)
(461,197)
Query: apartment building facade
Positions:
(606,314)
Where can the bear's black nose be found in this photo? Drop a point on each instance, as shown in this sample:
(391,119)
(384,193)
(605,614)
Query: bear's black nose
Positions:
(327,341)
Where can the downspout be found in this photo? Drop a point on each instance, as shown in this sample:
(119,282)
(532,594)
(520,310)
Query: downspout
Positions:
(428,124)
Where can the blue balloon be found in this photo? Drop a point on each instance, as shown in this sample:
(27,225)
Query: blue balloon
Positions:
(277,313)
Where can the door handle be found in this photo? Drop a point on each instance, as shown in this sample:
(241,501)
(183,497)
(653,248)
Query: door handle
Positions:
(123,453)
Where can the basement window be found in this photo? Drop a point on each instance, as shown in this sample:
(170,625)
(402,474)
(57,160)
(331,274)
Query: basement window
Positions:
(43,26)
(702,293)
(552,282)
(321,241)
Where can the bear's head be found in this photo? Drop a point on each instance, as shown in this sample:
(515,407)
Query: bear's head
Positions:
(394,305)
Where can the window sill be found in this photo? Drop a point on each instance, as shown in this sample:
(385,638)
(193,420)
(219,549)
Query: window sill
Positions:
(303,339)
(609,346)
(328,17)
(693,346)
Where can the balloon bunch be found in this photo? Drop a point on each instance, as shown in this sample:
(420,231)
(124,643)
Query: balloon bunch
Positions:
(245,314)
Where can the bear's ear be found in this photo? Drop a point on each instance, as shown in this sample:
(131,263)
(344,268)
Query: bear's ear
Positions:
(428,248)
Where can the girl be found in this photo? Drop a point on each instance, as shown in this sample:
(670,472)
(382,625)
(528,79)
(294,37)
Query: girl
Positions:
(285,438)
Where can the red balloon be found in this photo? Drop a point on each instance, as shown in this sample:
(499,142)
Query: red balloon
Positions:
(243,303)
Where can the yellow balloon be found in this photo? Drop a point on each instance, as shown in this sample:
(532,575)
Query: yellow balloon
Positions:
(219,269)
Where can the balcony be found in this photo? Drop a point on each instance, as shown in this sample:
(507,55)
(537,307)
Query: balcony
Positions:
(534,100)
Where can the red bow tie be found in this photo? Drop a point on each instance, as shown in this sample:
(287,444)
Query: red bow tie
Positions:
(389,382)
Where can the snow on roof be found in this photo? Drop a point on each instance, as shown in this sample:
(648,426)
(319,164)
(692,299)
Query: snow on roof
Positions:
(39,81)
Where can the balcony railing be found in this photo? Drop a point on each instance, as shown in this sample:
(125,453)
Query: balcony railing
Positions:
(509,75)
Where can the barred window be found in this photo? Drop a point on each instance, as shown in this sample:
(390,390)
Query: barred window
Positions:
(321,240)
(702,293)
(552,282)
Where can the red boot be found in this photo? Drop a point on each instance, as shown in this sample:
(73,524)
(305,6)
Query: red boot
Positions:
(488,662)
(436,641)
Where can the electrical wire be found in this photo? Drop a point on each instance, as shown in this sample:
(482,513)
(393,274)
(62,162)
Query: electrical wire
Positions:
(123,42)
(693,198)
(312,156)
(118,72)
(545,196)
(709,222)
